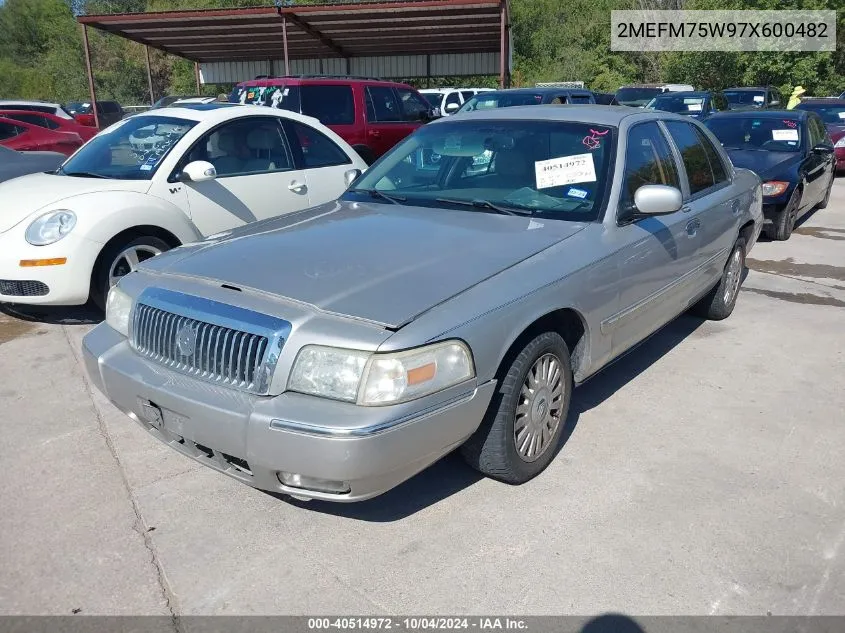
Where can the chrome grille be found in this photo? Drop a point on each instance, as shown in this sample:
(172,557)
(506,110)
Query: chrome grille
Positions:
(198,348)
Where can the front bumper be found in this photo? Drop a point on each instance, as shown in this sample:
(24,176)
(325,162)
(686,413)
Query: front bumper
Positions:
(253,438)
(65,284)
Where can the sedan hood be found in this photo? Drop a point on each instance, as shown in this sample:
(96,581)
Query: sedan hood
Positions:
(23,196)
(378,262)
(765,164)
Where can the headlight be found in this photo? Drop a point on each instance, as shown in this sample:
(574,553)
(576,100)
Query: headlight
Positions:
(118,308)
(774,187)
(50,227)
(840,142)
(379,379)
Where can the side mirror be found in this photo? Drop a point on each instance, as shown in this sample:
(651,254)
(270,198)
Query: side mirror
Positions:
(823,148)
(452,108)
(198,171)
(657,200)
(350,176)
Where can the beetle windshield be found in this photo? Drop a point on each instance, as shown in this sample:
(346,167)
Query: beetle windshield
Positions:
(552,169)
(131,149)
(781,134)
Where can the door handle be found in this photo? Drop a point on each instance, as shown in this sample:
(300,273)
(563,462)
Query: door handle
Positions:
(374,133)
(298,187)
(692,227)
(735,207)
(686,208)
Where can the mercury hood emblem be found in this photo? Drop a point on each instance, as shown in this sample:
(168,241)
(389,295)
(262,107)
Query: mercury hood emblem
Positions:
(186,340)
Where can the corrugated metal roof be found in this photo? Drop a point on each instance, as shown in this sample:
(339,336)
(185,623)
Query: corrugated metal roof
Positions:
(399,28)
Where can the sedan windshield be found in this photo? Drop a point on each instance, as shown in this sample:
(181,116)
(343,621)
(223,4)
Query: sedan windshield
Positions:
(744,132)
(672,103)
(549,169)
(636,97)
(488,100)
(830,114)
(745,98)
(131,149)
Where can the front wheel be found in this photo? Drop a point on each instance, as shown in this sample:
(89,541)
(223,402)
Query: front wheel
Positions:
(520,433)
(720,301)
(120,259)
(783,224)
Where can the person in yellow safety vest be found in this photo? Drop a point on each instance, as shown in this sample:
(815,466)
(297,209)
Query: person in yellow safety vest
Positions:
(795,97)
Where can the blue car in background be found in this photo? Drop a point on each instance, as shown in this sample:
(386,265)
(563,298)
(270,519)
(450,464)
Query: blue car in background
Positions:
(791,152)
(698,104)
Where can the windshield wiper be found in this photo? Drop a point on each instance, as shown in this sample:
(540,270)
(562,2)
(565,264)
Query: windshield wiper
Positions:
(83,174)
(486,204)
(375,193)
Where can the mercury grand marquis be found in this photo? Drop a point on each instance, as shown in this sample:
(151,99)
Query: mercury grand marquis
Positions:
(451,298)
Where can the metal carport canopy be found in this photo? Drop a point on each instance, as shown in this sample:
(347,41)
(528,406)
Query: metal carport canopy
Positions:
(339,31)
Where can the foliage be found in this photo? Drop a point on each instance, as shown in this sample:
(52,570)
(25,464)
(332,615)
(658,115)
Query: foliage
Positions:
(41,53)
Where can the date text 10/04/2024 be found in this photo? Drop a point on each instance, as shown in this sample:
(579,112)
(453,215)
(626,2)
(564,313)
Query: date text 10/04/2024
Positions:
(418,623)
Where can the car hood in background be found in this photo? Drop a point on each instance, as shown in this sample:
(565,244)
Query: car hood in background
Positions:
(765,164)
(27,194)
(379,262)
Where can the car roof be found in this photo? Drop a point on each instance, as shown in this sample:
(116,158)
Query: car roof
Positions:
(12,110)
(685,93)
(327,80)
(576,113)
(219,111)
(759,114)
(745,88)
(28,102)
(822,101)
(535,91)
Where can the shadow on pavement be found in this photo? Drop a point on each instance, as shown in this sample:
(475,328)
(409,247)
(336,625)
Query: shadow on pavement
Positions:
(56,315)
(451,475)
(612,623)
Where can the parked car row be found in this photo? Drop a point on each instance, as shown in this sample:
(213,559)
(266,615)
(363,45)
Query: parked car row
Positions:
(281,312)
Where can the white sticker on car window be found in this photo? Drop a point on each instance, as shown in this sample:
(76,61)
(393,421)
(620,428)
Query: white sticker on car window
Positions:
(566,170)
(785,135)
(577,193)
(285,92)
(759,99)
(689,100)
(841,115)
(694,107)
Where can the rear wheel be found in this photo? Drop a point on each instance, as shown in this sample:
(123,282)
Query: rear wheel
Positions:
(120,259)
(520,433)
(719,302)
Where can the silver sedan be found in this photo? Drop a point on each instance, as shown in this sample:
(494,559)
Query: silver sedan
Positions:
(453,297)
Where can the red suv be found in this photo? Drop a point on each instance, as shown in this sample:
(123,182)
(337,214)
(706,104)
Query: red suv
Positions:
(370,114)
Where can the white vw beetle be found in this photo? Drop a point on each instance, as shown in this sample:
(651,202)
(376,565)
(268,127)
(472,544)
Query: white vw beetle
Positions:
(154,181)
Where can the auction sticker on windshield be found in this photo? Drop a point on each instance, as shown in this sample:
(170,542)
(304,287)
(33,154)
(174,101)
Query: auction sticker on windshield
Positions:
(566,170)
(785,135)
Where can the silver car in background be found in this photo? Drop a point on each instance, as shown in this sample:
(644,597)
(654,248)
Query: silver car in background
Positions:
(335,352)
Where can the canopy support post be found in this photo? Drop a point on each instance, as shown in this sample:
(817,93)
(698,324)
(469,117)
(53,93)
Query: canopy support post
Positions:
(149,75)
(285,43)
(197,75)
(92,93)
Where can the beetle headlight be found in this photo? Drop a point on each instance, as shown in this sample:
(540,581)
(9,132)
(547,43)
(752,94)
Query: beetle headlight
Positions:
(118,309)
(379,379)
(50,227)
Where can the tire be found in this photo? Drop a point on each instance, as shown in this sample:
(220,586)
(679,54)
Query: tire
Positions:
(493,448)
(826,199)
(113,261)
(366,153)
(785,222)
(720,301)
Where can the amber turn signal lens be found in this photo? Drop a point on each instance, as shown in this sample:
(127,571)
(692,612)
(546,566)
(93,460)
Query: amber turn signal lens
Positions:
(56,261)
(421,374)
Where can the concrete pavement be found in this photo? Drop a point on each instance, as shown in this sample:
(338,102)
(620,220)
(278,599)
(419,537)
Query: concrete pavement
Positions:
(704,474)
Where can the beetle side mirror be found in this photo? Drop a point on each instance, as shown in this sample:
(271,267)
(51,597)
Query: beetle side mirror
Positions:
(653,200)
(350,176)
(198,171)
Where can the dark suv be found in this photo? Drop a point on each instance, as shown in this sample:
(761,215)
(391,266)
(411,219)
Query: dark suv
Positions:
(756,97)
(370,114)
(108,112)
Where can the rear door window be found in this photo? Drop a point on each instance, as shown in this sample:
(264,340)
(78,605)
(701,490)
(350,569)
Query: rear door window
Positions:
(7,131)
(579,99)
(332,105)
(318,150)
(383,105)
(35,119)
